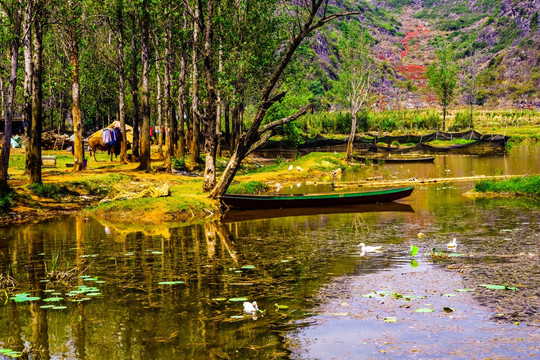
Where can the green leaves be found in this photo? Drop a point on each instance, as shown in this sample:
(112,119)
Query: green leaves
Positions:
(499,287)
(414,250)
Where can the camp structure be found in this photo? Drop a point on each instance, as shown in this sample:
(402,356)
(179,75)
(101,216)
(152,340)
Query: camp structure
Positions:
(114,124)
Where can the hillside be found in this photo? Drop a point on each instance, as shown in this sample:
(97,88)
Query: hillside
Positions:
(501,38)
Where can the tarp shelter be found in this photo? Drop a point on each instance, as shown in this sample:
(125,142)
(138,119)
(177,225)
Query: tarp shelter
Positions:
(128,135)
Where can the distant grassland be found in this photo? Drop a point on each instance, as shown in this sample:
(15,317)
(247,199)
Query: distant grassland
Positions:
(517,124)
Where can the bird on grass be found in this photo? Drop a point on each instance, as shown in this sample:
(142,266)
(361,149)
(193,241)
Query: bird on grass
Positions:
(452,244)
(366,249)
(250,308)
(290,167)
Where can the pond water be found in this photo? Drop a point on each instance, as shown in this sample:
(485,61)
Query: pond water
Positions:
(169,292)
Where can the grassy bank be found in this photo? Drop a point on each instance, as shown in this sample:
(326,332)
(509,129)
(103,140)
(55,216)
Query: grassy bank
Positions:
(522,186)
(113,191)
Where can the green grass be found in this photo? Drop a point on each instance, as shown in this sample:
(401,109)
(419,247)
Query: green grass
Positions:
(519,185)
(52,191)
(250,187)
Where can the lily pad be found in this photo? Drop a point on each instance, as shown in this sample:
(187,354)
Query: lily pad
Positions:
(424,310)
(19,298)
(414,263)
(53,299)
(219,299)
(59,307)
(390,319)
(248,267)
(414,250)
(499,287)
(237,317)
(463,290)
(177,282)
(238,299)
(281,307)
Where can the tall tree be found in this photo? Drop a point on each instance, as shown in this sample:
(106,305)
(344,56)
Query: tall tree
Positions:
(14,12)
(121,79)
(443,79)
(356,77)
(35,126)
(195,130)
(73,13)
(311,15)
(471,67)
(210,115)
(144,160)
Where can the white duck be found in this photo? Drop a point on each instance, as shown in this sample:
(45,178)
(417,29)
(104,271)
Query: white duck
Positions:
(452,244)
(366,249)
(251,308)
(290,167)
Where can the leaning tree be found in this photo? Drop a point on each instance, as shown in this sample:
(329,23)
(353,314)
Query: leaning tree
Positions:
(308,16)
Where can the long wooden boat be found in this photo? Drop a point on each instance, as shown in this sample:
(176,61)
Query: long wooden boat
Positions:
(244,201)
(402,160)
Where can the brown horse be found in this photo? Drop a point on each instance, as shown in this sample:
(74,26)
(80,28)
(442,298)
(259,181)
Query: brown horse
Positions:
(96,143)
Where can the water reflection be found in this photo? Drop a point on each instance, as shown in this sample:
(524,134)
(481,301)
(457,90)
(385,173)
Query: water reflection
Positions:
(177,292)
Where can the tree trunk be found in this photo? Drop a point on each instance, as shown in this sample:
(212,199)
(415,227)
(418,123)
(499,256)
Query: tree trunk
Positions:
(159,103)
(28,73)
(15,44)
(170,121)
(78,150)
(181,150)
(145,161)
(34,138)
(135,96)
(443,118)
(350,142)
(195,132)
(210,120)
(121,82)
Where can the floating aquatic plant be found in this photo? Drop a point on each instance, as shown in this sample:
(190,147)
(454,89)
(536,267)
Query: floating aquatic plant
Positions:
(390,319)
(424,310)
(10,353)
(238,299)
(414,250)
(499,287)
(176,282)
(20,298)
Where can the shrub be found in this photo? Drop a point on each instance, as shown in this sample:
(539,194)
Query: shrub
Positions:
(461,121)
(6,200)
(178,164)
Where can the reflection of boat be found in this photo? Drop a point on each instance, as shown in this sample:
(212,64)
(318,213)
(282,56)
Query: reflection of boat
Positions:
(389,160)
(246,215)
(244,201)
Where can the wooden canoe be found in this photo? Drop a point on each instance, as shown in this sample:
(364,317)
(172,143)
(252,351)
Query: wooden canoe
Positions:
(244,201)
(396,160)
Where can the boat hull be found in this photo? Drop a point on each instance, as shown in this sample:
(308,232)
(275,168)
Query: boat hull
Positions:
(243,201)
(429,159)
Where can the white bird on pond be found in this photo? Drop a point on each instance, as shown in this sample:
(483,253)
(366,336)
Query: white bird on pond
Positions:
(290,167)
(452,245)
(366,249)
(250,308)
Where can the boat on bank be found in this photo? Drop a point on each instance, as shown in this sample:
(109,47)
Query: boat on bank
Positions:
(246,201)
(395,160)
